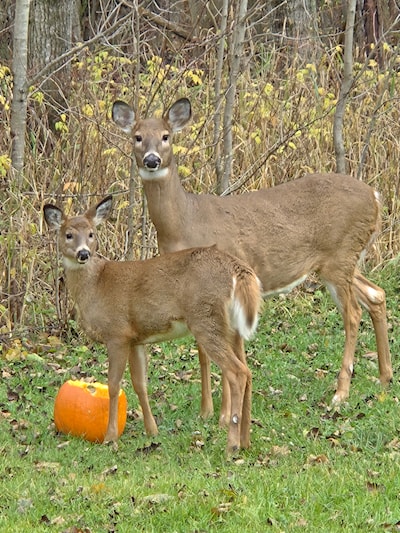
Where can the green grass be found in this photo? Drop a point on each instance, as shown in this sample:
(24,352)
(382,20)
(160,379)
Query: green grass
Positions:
(309,468)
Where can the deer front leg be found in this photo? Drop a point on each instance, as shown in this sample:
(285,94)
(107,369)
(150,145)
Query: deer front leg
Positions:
(206,408)
(373,299)
(117,356)
(138,371)
(239,379)
(351,313)
(225,413)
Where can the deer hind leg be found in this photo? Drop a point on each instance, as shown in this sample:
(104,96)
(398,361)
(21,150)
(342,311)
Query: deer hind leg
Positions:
(138,371)
(344,297)
(118,352)
(207,408)
(246,410)
(373,299)
(238,376)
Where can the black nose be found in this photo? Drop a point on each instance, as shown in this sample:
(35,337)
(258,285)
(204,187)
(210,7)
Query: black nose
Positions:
(83,256)
(152,161)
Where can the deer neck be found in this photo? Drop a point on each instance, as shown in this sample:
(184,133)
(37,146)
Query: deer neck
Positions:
(168,203)
(80,278)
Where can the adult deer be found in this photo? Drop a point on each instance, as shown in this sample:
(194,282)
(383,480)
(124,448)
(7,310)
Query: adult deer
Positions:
(320,223)
(201,291)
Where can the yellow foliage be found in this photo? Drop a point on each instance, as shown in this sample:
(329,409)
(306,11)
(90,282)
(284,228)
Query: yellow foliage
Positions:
(87,110)
(178,149)
(38,96)
(4,102)
(268,89)
(4,71)
(184,171)
(194,76)
(5,164)
(61,125)
(110,151)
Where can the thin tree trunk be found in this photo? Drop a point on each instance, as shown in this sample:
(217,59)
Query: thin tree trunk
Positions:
(217,90)
(236,57)
(20,91)
(344,89)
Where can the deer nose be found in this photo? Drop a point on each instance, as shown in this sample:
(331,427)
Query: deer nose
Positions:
(152,161)
(83,256)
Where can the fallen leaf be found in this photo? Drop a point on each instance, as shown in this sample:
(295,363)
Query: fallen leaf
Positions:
(374,487)
(156,499)
(149,449)
(111,470)
(370,355)
(221,509)
(280,451)
(24,504)
(317,459)
(46,465)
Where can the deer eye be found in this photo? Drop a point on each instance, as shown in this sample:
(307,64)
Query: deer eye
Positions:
(69,236)
(91,235)
(165,137)
(138,138)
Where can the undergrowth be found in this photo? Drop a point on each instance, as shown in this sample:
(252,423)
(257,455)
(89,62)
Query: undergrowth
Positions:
(282,129)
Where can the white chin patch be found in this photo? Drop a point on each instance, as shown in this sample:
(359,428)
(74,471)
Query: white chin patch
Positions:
(147,174)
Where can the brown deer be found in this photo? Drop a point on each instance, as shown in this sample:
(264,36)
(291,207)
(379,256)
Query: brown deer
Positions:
(320,223)
(125,304)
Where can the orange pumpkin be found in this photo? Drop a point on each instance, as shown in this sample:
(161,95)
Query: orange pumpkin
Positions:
(81,409)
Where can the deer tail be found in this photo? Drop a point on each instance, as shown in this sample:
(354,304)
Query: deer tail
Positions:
(245,303)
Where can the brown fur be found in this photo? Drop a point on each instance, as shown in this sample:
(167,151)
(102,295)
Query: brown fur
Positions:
(126,304)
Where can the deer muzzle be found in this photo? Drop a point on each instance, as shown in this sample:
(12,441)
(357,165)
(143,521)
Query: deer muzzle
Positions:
(83,255)
(152,161)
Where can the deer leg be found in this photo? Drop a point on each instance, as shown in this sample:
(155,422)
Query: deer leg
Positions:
(373,299)
(225,413)
(239,378)
(117,356)
(207,408)
(246,410)
(351,312)
(138,370)
(236,373)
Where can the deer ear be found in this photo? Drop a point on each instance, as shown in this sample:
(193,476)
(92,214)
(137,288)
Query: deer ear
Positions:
(53,216)
(179,114)
(123,116)
(102,210)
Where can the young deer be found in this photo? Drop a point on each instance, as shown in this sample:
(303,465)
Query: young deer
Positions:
(320,223)
(201,291)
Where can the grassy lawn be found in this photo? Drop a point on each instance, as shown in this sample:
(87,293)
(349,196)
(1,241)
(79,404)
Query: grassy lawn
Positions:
(309,468)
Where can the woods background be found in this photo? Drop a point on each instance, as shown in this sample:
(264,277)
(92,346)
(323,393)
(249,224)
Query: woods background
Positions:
(264,79)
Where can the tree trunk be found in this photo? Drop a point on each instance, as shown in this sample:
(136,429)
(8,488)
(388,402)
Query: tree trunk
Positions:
(20,92)
(219,70)
(50,36)
(344,89)
(239,28)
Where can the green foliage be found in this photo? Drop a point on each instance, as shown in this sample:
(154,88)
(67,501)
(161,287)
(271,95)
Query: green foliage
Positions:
(309,467)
